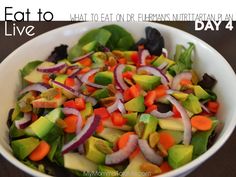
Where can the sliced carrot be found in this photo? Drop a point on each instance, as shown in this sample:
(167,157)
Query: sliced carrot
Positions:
(128,74)
(202,123)
(46,78)
(151,108)
(122,60)
(127,95)
(80,103)
(102,112)
(166,140)
(71,122)
(185,82)
(165,167)
(117,119)
(84,70)
(213,106)
(69,71)
(70,82)
(124,139)
(134,91)
(40,151)
(70,104)
(135,153)
(91,78)
(150,98)
(161,91)
(86,62)
(90,89)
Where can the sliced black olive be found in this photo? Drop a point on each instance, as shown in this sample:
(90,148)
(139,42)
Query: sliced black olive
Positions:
(59,52)
(9,121)
(155,48)
(207,82)
(142,41)
(162,107)
(152,33)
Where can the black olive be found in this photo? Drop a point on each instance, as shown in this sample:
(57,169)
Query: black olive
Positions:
(162,107)
(142,41)
(155,48)
(207,82)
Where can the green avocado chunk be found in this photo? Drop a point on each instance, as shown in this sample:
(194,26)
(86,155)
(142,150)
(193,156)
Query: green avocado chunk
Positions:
(105,171)
(87,111)
(104,78)
(92,153)
(147,82)
(200,139)
(101,93)
(136,104)
(150,124)
(23,147)
(131,118)
(89,47)
(179,155)
(162,59)
(192,104)
(200,92)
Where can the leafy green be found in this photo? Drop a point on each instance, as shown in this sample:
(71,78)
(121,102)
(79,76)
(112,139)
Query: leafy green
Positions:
(200,139)
(53,149)
(183,59)
(120,39)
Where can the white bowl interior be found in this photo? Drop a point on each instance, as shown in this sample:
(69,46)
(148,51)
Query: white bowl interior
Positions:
(206,60)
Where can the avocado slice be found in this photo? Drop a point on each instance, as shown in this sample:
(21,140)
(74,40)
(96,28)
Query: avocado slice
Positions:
(15,132)
(54,115)
(131,118)
(99,58)
(104,78)
(133,169)
(110,134)
(162,59)
(106,171)
(192,104)
(150,124)
(92,153)
(200,139)
(179,155)
(90,46)
(147,82)
(61,78)
(180,96)
(200,92)
(75,161)
(40,127)
(129,68)
(101,93)
(136,104)
(87,111)
(23,147)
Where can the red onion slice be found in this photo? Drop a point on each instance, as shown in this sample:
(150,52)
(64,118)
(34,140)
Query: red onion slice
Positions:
(121,107)
(89,99)
(51,69)
(66,88)
(86,76)
(74,73)
(155,72)
(81,149)
(82,57)
(185,119)
(143,55)
(176,80)
(89,128)
(23,122)
(165,52)
(205,108)
(122,154)
(117,104)
(158,114)
(118,77)
(77,84)
(35,87)
(149,153)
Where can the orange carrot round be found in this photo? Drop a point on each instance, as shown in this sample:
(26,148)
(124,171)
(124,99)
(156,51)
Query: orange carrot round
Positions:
(166,140)
(40,152)
(71,122)
(124,139)
(165,167)
(202,123)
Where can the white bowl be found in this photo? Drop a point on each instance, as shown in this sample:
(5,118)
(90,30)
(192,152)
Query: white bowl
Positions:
(206,60)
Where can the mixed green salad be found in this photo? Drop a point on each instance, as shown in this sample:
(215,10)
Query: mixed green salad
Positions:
(113,107)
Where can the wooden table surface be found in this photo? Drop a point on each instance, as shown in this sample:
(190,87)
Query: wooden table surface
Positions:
(221,164)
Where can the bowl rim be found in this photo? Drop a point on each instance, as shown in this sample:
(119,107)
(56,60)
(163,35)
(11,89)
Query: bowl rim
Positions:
(182,170)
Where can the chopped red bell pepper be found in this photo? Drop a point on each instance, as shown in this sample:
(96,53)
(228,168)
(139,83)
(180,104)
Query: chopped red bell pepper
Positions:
(117,119)
(102,112)
(150,98)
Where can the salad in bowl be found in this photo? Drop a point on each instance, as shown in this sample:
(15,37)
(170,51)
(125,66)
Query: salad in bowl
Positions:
(113,106)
